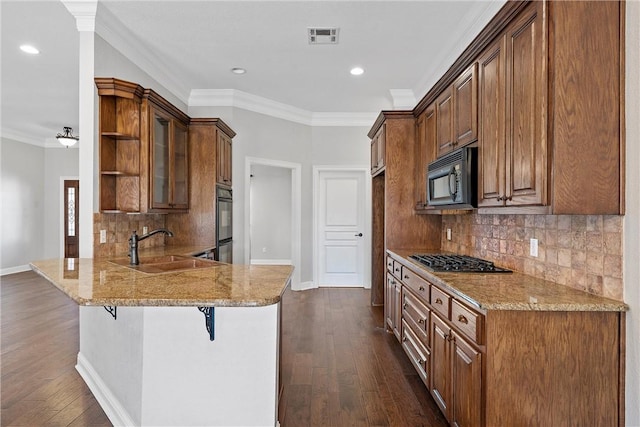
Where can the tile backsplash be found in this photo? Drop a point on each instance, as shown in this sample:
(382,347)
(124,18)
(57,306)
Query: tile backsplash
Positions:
(119,228)
(580,251)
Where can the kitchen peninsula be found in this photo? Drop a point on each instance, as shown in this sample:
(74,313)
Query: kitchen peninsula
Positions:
(192,346)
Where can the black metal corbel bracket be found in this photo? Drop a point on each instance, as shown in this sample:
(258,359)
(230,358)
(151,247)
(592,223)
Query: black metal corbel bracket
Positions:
(209,319)
(112,310)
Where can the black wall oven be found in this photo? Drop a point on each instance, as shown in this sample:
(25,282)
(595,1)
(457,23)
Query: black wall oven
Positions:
(224,225)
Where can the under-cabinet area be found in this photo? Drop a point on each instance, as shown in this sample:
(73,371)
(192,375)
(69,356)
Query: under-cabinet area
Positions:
(508,349)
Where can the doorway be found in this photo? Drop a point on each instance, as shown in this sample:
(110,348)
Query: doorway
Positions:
(71,218)
(341,227)
(253,248)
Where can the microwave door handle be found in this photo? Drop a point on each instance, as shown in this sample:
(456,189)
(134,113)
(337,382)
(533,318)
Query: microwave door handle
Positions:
(453,192)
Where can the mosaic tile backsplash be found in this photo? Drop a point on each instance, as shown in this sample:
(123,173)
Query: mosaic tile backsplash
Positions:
(119,228)
(580,251)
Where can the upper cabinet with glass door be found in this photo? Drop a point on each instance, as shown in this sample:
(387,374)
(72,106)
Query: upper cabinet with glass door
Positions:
(166,134)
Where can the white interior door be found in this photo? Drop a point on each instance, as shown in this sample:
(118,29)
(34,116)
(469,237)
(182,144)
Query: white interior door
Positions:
(341,227)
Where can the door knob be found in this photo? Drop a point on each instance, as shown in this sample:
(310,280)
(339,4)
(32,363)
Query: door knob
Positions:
(359,235)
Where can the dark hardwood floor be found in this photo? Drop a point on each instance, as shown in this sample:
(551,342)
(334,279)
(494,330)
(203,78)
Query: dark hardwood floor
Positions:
(40,386)
(340,368)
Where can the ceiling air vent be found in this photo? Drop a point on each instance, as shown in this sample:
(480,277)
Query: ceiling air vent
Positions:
(323,35)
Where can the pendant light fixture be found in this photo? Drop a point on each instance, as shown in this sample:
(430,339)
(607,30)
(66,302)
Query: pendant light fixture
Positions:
(66,138)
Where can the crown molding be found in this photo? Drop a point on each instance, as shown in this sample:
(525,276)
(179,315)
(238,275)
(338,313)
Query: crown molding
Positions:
(24,138)
(247,101)
(84,11)
(474,24)
(403,99)
(18,136)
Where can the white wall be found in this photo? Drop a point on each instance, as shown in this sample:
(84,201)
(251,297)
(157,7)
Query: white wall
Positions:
(270,214)
(30,204)
(23,208)
(632,217)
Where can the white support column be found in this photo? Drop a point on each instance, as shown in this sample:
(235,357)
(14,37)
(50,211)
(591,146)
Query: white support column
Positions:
(85,13)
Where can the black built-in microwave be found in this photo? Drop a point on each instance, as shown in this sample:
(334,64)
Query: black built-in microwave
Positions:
(451,180)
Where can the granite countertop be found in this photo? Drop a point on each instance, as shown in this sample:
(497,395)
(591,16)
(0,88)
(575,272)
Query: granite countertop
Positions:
(102,282)
(512,291)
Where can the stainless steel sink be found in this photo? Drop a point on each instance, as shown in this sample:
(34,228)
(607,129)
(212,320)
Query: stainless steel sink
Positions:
(166,264)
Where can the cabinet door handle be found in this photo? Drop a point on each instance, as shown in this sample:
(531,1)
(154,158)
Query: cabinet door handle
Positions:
(420,361)
(462,319)
(438,301)
(450,338)
(406,276)
(420,320)
(499,198)
(421,288)
(404,305)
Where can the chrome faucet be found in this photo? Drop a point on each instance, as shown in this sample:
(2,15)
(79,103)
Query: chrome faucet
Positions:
(134,239)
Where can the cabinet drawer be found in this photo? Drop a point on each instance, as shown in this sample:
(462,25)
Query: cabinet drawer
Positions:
(440,301)
(416,284)
(390,264)
(467,321)
(397,269)
(417,353)
(416,315)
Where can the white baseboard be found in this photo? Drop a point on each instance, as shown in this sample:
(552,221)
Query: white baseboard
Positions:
(12,270)
(271,262)
(109,403)
(305,286)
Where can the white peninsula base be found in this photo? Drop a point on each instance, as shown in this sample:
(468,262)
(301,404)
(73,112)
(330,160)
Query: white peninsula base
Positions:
(156,366)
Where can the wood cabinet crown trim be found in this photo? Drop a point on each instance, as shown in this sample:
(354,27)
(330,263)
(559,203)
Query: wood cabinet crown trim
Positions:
(110,86)
(384,115)
(213,121)
(159,102)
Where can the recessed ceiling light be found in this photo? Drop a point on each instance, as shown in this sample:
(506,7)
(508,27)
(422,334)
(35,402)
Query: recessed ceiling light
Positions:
(356,71)
(238,70)
(27,48)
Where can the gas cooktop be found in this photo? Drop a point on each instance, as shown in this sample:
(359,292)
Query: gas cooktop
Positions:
(456,264)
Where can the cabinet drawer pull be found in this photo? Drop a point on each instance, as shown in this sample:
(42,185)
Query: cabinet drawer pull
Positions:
(406,276)
(438,301)
(420,361)
(421,288)
(397,270)
(405,306)
(462,319)
(420,320)
(393,282)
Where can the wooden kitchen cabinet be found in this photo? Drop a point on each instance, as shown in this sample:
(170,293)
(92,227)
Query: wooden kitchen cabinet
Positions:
(394,222)
(425,153)
(392,305)
(456,369)
(143,150)
(169,176)
(378,151)
(512,148)
(224,159)
(119,145)
(509,367)
(543,139)
(465,104)
(457,113)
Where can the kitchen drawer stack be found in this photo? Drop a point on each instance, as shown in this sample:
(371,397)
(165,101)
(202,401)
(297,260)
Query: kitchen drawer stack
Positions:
(443,339)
